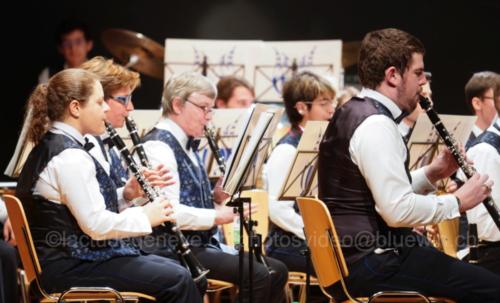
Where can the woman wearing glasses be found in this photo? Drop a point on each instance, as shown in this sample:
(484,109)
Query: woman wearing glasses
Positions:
(307,97)
(118,84)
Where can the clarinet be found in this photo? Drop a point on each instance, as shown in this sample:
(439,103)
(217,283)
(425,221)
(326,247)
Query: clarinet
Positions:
(184,252)
(209,134)
(134,135)
(462,163)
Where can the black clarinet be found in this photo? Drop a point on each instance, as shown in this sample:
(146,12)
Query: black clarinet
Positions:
(136,140)
(183,251)
(209,134)
(462,163)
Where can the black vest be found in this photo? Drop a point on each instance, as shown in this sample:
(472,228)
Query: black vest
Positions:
(344,190)
(55,231)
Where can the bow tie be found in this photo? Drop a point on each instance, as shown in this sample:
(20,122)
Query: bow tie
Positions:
(108,142)
(401,117)
(88,145)
(192,143)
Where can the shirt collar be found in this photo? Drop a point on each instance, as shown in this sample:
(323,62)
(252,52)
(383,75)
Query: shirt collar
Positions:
(493,128)
(175,129)
(68,130)
(387,102)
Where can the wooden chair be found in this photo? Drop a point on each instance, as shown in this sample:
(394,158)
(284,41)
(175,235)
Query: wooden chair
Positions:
(32,269)
(328,259)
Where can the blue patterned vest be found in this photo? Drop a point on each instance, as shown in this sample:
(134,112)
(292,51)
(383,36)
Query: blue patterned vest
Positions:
(279,238)
(490,138)
(195,190)
(117,172)
(55,231)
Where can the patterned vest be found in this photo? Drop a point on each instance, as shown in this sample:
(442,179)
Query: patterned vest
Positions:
(195,189)
(344,190)
(55,231)
(279,238)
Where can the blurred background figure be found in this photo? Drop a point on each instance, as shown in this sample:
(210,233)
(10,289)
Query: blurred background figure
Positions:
(74,42)
(234,92)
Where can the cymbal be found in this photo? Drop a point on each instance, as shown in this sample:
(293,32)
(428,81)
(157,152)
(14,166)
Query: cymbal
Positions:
(135,50)
(350,53)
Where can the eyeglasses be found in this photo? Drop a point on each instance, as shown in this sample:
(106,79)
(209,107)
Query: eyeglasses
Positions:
(122,99)
(486,97)
(322,103)
(69,43)
(205,109)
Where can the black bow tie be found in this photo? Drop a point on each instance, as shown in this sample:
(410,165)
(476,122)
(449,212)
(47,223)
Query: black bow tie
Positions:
(88,145)
(401,117)
(108,142)
(192,143)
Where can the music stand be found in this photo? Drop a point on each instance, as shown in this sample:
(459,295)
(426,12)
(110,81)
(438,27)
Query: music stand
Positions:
(213,58)
(234,184)
(424,143)
(302,178)
(227,124)
(278,61)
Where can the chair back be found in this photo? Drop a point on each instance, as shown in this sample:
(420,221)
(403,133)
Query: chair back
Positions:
(448,234)
(260,198)
(24,240)
(323,242)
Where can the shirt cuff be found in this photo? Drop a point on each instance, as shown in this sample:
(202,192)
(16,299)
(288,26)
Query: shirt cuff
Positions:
(142,220)
(420,183)
(451,203)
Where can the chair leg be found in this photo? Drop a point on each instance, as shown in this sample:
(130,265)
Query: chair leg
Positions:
(25,289)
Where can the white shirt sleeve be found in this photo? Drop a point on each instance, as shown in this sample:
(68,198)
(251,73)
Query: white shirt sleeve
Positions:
(70,179)
(187,217)
(282,213)
(378,150)
(486,161)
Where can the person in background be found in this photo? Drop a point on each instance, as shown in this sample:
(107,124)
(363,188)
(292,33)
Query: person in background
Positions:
(74,42)
(234,92)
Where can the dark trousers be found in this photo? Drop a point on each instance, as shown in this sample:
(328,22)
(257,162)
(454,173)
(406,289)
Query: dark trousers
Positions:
(422,269)
(156,276)
(8,273)
(489,257)
(223,266)
(292,255)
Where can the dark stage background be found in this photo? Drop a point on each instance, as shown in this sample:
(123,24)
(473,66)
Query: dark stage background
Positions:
(461,38)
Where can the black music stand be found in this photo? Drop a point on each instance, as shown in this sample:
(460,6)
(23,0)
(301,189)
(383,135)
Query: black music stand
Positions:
(234,185)
(302,177)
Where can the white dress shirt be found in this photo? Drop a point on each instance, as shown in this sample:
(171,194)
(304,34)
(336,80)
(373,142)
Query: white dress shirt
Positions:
(282,213)
(379,151)
(486,161)
(158,152)
(70,179)
(476,130)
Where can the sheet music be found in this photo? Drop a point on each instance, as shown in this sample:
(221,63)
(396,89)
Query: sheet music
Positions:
(422,144)
(232,185)
(23,149)
(302,178)
(227,125)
